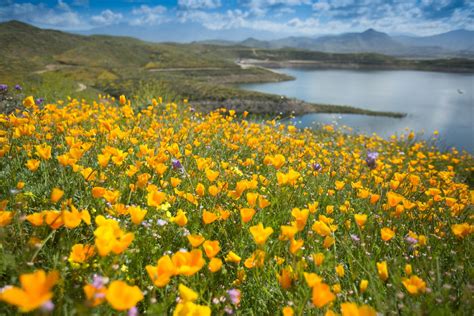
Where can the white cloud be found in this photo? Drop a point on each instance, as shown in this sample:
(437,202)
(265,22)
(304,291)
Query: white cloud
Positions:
(234,19)
(269,3)
(107,17)
(436,4)
(198,4)
(321,6)
(261,7)
(63,6)
(81,3)
(341,3)
(145,15)
(144,9)
(401,17)
(278,16)
(284,11)
(216,21)
(61,16)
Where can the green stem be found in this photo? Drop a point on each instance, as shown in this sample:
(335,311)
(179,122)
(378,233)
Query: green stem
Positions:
(42,245)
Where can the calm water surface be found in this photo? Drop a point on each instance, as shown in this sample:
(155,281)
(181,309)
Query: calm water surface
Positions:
(432,100)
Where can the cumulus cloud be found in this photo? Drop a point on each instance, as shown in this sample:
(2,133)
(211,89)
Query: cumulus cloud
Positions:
(423,17)
(80,3)
(270,3)
(144,9)
(261,7)
(283,17)
(198,4)
(321,6)
(284,11)
(107,17)
(234,19)
(339,16)
(146,15)
(63,6)
(216,21)
(60,16)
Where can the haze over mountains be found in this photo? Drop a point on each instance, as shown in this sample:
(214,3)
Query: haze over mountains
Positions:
(177,32)
(459,43)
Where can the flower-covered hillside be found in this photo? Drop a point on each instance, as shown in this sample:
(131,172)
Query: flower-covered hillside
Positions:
(111,207)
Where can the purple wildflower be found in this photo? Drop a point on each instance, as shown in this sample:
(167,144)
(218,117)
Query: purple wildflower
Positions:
(355,238)
(161,222)
(133,311)
(47,307)
(411,240)
(3,88)
(371,159)
(176,164)
(39,101)
(316,166)
(98,281)
(18,87)
(234,295)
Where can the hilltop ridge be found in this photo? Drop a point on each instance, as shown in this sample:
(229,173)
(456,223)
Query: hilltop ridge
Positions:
(457,43)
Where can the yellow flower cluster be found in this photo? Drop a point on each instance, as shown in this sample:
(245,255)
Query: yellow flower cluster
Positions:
(256,216)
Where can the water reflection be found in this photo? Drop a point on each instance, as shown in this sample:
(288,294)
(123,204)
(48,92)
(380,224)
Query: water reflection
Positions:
(433,100)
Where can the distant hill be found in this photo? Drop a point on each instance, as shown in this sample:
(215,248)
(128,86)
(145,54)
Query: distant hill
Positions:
(461,40)
(458,43)
(26,49)
(295,42)
(451,44)
(253,42)
(368,41)
(177,32)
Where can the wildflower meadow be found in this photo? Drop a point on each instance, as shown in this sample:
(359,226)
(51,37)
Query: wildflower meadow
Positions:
(112,206)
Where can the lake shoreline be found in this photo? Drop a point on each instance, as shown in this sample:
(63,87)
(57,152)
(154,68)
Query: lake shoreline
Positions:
(322,65)
(285,106)
(259,103)
(439,103)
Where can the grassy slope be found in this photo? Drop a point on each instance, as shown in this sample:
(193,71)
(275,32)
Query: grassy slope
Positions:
(115,65)
(25,48)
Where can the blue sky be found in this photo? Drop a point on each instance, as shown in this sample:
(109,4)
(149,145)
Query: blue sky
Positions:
(278,17)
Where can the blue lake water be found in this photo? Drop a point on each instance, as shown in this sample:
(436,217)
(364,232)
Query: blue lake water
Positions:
(432,100)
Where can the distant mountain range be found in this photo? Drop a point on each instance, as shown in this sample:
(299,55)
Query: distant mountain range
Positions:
(176,32)
(461,40)
(458,43)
